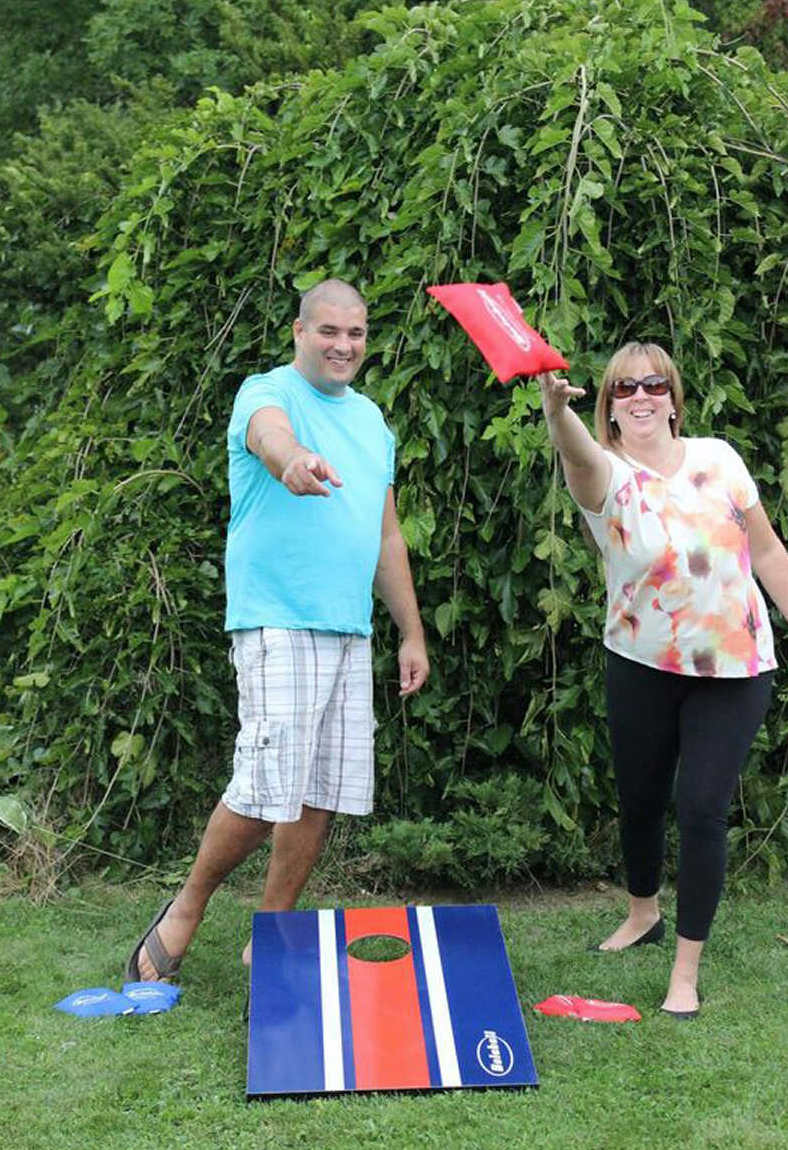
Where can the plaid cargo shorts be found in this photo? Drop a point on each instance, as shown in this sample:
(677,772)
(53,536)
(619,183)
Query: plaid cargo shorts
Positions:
(307,727)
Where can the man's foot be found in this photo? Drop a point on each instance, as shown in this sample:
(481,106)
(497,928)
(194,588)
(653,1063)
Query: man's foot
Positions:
(246,957)
(159,956)
(633,931)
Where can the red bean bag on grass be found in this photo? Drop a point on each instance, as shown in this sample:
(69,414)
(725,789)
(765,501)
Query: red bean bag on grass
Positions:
(587,1009)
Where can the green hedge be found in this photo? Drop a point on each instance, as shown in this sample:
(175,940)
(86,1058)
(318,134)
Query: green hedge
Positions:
(626,180)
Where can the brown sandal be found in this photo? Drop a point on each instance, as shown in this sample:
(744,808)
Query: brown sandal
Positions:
(165,964)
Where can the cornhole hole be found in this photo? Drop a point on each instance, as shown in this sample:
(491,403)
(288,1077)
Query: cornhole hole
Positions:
(443,1015)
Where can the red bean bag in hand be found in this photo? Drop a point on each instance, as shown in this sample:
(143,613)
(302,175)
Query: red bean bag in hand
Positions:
(495,323)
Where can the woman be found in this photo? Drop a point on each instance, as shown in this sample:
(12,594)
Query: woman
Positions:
(690,653)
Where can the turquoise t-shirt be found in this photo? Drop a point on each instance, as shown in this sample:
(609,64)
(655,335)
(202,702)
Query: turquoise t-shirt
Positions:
(305,560)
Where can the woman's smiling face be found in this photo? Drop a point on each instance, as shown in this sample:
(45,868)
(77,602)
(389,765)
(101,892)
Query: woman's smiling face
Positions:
(641,416)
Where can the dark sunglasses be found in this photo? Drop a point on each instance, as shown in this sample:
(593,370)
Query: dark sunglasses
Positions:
(651,384)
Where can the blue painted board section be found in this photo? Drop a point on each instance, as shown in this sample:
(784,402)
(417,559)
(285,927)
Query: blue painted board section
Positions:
(489,1030)
(344,1002)
(424,1001)
(285,1022)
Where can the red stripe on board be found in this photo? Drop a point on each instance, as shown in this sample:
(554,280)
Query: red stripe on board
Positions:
(388,1043)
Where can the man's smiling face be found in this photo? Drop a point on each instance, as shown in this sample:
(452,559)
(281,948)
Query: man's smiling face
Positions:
(330,345)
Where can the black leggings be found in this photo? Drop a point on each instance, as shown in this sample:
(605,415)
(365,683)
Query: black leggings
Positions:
(660,721)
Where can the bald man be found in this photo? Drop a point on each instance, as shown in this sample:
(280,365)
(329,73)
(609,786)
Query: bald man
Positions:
(313,527)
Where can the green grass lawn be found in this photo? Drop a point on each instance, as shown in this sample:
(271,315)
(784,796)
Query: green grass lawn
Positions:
(177,1080)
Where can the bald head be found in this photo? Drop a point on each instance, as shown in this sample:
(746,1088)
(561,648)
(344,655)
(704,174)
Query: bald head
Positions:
(330,336)
(336,292)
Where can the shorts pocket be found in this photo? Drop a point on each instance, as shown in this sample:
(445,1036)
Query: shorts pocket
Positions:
(260,752)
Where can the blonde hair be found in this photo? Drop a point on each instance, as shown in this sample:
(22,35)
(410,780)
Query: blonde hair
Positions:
(608,433)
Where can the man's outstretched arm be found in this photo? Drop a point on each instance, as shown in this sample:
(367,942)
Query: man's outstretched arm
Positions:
(270,437)
(394,584)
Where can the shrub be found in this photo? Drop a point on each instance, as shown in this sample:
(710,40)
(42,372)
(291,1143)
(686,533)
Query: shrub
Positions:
(625,179)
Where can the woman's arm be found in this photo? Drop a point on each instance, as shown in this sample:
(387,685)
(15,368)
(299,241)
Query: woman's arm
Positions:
(586,467)
(768,557)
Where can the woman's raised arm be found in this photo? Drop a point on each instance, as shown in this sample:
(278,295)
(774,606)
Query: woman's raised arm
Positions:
(586,467)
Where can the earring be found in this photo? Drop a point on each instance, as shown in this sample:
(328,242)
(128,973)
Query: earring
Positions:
(612,418)
(672,415)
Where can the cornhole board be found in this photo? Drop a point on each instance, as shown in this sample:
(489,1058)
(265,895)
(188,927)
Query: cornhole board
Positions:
(445,1015)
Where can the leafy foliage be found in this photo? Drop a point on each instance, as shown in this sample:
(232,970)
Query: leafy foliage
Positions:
(625,179)
(762,23)
(196,43)
(53,53)
(56,185)
(42,60)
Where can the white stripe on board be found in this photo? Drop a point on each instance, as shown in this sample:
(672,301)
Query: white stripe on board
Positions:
(439,1003)
(333,1068)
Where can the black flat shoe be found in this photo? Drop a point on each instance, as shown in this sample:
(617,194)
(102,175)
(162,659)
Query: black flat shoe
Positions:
(655,933)
(681,1015)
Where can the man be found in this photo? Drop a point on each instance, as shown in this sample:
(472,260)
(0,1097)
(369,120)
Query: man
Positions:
(313,526)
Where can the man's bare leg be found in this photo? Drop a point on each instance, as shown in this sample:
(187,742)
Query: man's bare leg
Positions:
(295,849)
(228,839)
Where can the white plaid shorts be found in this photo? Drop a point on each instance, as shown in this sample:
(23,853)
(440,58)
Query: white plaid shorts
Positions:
(307,727)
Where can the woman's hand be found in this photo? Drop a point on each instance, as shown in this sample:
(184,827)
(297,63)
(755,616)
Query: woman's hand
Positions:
(556,394)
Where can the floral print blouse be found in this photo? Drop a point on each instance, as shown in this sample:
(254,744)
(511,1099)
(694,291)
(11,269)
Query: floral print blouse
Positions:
(680,589)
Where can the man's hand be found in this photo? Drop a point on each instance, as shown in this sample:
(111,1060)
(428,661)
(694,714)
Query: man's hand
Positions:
(303,471)
(556,393)
(414,666)
(270,437)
